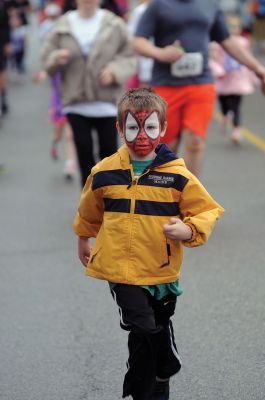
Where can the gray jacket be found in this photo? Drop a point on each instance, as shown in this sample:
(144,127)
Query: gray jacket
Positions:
(80,77)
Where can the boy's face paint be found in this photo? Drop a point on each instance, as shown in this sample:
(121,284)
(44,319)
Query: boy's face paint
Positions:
(142,131)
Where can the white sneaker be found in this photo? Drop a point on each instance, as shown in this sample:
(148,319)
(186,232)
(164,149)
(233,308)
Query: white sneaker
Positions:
(69,169)
(236,136)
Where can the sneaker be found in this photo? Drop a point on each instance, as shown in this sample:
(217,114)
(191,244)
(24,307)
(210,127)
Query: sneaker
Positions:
(161,391)
(54,152)
(236,136)
(69,169)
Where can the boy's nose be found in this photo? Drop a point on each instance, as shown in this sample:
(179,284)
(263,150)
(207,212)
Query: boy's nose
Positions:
(142,135)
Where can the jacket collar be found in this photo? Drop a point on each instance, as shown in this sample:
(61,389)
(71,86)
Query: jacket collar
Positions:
(163,156)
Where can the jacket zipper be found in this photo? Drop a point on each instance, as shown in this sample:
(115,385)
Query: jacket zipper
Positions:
(133,184)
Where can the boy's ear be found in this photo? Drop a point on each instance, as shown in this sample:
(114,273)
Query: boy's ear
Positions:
(120,132)
(164,128)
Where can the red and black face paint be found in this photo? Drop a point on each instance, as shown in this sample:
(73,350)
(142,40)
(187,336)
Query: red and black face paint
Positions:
(142,131)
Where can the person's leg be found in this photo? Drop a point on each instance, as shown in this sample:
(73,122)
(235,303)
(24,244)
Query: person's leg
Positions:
(19,59)
(70,153)
(235,106)
(168,360)
(235,103)
(196,116)
(3,93)
(226,121)
(107,135)
(81,128)
(137,316)
(223,105)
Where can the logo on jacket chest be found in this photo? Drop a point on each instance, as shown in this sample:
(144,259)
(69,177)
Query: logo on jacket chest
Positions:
(163,180)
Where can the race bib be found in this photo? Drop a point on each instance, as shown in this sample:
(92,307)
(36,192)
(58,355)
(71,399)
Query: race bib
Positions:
(190,64)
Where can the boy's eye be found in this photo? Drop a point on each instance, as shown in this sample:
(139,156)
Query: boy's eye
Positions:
(152,127)
(131,128)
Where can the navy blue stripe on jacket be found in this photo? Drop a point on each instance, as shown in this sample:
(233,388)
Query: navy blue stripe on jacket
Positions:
(158,208)
(111,177)
(117,205)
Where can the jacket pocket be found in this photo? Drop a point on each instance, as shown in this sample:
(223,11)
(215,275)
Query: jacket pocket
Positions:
(167,255)
(94,253)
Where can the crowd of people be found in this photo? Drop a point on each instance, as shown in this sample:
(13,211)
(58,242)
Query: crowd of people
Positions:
(149,75)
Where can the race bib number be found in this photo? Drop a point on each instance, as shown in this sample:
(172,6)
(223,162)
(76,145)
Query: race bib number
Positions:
(190,64)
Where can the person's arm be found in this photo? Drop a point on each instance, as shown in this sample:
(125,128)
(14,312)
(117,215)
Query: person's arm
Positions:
(231,46)
(124,63)
(83,250)
(167,54)
(146,29)
(89,217)
(177,230)
(53,58)
(198,210)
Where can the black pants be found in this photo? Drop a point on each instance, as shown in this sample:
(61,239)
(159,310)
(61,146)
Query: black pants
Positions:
(231,103)
(18,61)
(152,349)
(82,132)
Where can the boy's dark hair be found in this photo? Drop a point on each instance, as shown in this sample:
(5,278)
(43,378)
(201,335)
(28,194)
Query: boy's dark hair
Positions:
(141,99)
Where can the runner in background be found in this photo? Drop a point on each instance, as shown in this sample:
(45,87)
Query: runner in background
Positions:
(61,128)
(91,49)
(182,31)
(5,50)
(233,80)
(19,40)
(144,72)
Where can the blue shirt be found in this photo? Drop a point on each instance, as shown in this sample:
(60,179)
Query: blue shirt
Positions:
(192,22)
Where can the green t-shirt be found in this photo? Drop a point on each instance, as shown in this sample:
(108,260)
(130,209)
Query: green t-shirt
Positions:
(163,289)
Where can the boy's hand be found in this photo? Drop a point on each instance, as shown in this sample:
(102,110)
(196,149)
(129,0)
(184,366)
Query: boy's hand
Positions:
(177,230)
(83,250)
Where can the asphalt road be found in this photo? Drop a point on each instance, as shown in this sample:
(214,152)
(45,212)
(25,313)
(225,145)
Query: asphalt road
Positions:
(59,330)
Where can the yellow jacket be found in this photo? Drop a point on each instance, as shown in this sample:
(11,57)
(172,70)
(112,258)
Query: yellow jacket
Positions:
(126,215)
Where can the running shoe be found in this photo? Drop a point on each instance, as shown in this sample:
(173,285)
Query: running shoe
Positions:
(69,169)
(236,136)
(161,391)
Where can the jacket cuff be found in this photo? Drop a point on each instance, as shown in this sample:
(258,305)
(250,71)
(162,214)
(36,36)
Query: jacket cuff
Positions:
(194,233)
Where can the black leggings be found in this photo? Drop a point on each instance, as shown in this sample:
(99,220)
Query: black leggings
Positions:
(152,349)
(232,103)
(82,132)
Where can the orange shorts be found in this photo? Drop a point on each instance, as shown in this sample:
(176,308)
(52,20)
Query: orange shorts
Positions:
(188,107)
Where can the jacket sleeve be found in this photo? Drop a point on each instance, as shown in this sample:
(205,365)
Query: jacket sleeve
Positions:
(89,216)
(124,64)
(198,210)
(49,53)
